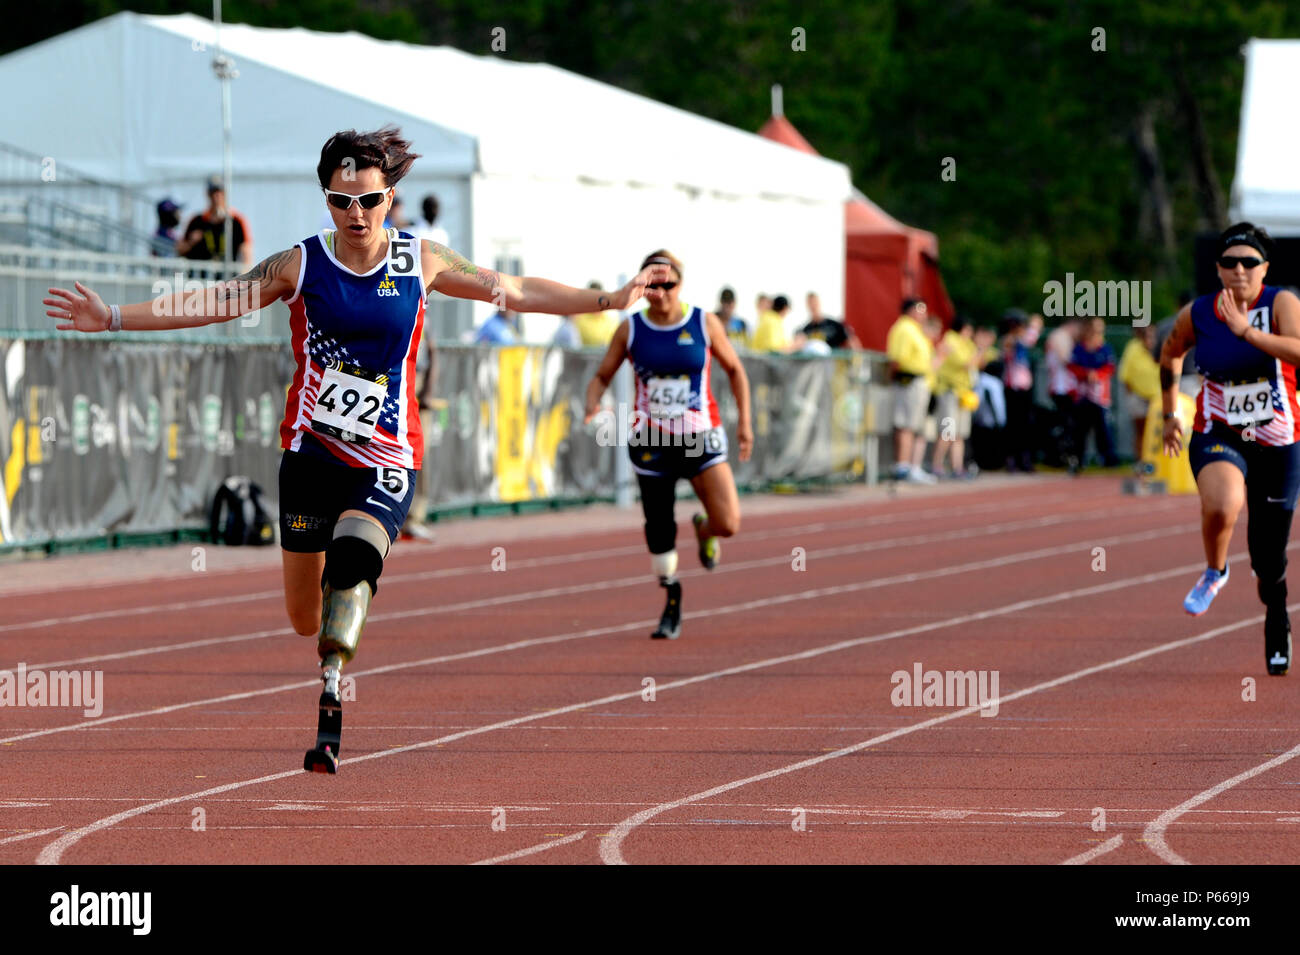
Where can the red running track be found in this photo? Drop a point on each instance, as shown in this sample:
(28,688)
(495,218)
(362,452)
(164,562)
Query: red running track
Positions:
(510,714)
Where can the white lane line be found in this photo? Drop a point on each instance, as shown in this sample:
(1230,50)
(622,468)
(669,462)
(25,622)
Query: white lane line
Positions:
(1084,858)
(51,854)
(611,845)
(531,851)
(180,606)
(29,835)
(583,588)
(893,517)
(819,593)
(445,572)
(1154,834)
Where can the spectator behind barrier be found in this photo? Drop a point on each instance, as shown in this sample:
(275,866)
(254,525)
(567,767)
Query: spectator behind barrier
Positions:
(770,336)
(1018,382)
(164,237)
(205,234)
(988,439)
(929,431)
(1140,373)
(737,328)
(959,363)
(822,328)
(397,216)
(596,329)
(500,329)
(910,356)
(567,335)
(1093,365)
(1061,388)
(427,228)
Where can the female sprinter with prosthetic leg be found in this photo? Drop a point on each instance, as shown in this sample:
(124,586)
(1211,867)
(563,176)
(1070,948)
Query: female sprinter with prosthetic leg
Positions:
(1244,446)
(676,430)
(351,431)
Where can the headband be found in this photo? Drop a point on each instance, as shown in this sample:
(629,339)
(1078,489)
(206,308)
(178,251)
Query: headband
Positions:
(1243,238)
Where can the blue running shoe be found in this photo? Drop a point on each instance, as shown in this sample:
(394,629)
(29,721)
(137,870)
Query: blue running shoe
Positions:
(1206,589)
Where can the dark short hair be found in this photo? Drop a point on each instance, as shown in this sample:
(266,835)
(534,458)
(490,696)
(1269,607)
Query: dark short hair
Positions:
(384,149)
(780,303)
(910,303)
(727,296)
(959,322)
(430,208)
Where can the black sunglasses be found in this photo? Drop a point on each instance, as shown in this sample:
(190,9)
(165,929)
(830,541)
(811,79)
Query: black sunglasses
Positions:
(344,200)
(1247,262)
(664,286)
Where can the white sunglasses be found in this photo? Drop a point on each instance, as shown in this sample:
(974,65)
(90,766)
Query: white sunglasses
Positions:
(344,200)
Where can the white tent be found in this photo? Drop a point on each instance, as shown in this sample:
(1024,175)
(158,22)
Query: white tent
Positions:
(1265,189)
(573,179)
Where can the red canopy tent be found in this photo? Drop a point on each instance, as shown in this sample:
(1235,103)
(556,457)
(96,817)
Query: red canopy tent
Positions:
(886,261)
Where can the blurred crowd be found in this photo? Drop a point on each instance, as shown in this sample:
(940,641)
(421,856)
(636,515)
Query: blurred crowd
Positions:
(770,331)
(986,398)
(204,237)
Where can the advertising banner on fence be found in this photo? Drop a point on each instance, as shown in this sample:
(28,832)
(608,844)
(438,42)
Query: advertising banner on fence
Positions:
(98,436)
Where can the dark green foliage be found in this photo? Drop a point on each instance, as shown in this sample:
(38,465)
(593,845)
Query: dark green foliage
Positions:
(1041,126)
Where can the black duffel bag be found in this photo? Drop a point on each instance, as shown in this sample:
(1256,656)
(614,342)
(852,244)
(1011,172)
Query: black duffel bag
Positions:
(238,516)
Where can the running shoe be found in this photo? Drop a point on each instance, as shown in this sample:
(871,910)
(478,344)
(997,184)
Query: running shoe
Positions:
(918,476)
(710,547)
(1277,642)
(1200,597)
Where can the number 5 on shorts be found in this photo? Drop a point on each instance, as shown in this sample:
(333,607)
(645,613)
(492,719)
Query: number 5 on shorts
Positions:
(392,481)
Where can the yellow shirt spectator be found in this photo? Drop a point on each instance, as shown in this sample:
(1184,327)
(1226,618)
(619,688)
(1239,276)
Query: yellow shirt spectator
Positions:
(1139,371)
(954,372)
(908,348)
(596,328)
(738,333)
(770,335)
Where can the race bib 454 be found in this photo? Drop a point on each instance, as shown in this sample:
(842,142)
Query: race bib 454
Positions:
(669,397)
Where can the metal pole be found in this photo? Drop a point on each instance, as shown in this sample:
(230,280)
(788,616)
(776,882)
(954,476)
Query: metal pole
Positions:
(223,66)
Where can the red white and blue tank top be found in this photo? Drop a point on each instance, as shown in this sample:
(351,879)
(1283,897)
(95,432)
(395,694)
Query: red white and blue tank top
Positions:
(672,365)
(355,338)
(1243,386)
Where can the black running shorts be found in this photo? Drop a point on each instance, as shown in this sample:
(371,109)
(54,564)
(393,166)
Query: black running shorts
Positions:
(314,492)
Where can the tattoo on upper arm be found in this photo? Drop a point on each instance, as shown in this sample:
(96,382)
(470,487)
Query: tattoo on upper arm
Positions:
(455,262)
(248,286)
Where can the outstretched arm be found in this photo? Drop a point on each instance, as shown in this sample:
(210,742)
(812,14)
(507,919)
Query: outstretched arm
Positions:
(450,273)
(720,345)
(271,279)
(614,356)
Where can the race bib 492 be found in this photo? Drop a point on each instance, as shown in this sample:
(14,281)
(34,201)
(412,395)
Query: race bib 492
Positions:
(349,403)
